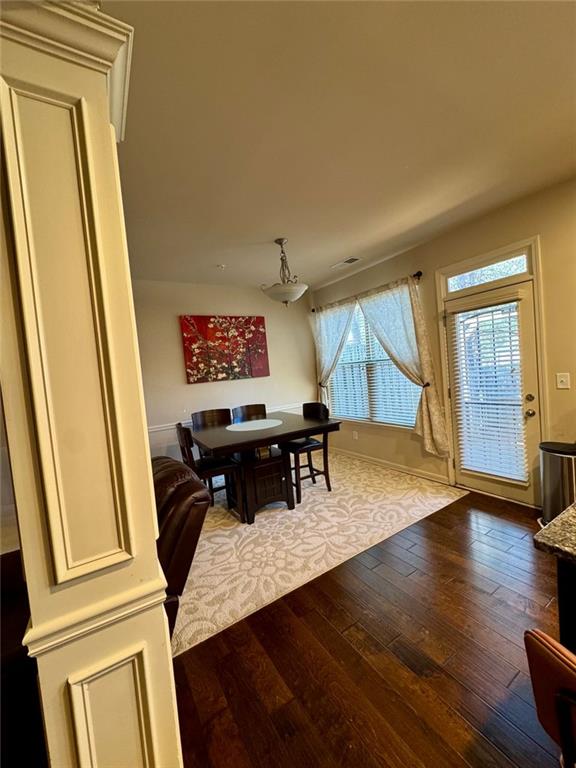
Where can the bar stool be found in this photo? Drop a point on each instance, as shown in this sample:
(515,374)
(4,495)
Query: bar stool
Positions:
(305,446)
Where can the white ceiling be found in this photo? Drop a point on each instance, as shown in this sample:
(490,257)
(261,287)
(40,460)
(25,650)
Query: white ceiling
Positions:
(352,128)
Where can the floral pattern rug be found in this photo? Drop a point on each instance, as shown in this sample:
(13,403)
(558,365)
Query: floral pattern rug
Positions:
(239,569)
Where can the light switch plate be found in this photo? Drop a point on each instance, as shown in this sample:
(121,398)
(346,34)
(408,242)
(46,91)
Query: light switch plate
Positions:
(562,381)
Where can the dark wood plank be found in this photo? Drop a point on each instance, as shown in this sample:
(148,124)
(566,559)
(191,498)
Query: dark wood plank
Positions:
(257,668)
(522,686)
(394,707)
(512,741)
(410,654)
(304,742)
(507,576)
(355,734)
(440,715)
(387,617)
(312,598)
(194,743)
(447,621)
(266,750)
(482,549)
(502,699)
(428,562)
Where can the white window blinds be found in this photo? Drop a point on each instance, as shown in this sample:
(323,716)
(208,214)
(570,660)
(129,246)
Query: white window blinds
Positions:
(487,379)
(366,384)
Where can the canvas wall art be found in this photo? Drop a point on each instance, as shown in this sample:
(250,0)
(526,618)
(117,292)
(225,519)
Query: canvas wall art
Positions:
(224,347)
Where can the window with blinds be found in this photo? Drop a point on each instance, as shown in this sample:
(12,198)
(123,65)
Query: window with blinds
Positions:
(366,384)
(487,388)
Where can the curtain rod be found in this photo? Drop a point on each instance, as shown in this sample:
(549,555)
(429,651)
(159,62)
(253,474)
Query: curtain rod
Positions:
(416,276)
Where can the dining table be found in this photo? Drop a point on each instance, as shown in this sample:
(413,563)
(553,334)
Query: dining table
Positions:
(265,478)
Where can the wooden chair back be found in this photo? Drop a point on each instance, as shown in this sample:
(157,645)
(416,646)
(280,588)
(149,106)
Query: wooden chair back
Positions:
(186,444)
(248,412)
(215,417)
(315,411)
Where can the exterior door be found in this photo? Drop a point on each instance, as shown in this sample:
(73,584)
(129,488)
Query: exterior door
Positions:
(494,391)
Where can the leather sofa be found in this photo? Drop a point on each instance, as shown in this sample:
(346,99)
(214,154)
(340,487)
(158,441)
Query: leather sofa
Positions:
(181,503)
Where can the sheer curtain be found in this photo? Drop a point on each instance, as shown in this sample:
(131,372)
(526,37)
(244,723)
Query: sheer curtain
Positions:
(330,327)
(395,315)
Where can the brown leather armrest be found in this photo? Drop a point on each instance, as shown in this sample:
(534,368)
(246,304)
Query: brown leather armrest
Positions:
(553,671)
(182,501)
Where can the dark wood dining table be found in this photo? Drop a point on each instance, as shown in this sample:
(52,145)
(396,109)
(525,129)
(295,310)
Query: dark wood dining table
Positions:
(264,479)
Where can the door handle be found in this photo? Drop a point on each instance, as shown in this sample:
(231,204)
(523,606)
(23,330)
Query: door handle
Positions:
(530,398)
(530,412)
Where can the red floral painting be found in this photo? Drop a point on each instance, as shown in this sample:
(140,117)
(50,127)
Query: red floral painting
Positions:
(224,347)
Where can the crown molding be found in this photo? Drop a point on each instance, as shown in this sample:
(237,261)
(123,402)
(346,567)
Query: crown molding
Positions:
(80,33)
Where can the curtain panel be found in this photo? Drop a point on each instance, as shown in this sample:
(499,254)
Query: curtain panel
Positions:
(396,318)
(330,327)
(395,315)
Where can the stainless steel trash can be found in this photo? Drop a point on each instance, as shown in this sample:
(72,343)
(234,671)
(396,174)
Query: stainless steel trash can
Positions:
(558,475)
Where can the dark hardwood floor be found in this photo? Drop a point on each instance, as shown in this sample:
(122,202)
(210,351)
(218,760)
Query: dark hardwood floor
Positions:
(410,655)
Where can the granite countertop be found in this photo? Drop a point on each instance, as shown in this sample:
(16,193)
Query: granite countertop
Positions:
(559,536)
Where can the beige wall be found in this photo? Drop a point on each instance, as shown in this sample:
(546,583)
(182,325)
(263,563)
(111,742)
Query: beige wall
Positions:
(550,214)
(170,399)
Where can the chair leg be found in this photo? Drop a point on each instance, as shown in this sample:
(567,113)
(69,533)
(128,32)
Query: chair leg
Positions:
(325,459)
(311,468)
(228,487)
(298,482)
(211,489)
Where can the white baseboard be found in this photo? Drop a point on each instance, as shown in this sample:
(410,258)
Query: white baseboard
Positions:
(437,478)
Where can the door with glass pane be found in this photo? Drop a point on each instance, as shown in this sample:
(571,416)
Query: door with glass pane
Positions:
(494,392)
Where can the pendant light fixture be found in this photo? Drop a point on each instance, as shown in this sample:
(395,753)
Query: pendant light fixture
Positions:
(288,289)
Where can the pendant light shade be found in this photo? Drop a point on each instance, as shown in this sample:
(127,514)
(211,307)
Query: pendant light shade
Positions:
(288,289)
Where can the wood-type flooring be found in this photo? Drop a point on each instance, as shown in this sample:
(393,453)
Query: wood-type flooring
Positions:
(409,655)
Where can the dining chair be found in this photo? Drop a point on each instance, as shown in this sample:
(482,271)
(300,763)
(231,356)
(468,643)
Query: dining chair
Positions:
(213,417)
(254,412)
(306,446)
(207,468)
(553,674)
(248,412)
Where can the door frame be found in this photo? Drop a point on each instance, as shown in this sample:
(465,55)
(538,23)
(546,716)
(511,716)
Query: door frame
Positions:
(531,246)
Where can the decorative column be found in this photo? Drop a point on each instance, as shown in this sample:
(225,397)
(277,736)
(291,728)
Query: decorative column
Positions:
(73,394)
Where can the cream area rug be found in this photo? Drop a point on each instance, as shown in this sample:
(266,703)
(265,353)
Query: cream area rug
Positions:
(238,568)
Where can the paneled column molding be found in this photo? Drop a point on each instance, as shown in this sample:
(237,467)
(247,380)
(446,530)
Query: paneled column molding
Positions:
(72,394)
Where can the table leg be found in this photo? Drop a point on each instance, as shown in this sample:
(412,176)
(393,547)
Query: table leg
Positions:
(247,470)
(566,572)
(288,479)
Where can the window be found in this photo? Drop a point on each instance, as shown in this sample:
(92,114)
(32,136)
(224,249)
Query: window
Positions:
(516,265)
(366,384)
